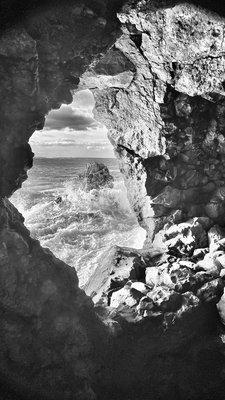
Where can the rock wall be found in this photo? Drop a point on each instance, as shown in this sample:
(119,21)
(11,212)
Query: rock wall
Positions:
(159,85)
(46,320)
(42,58)
(50,334)
(169,118)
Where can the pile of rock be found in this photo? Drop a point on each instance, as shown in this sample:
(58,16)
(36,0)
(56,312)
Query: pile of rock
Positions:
(190,176)
(97,176)
(168,284)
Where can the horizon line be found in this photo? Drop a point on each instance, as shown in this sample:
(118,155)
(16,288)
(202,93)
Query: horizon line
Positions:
(70,157)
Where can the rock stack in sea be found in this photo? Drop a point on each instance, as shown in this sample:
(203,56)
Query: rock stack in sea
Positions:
(97,176)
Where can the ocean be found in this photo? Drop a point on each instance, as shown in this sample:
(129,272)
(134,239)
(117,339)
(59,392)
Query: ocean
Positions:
(83,227)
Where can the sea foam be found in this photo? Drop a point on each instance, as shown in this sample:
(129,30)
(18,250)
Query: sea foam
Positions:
(84,225)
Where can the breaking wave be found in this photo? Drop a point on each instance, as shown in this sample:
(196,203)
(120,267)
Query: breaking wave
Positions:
(84,225)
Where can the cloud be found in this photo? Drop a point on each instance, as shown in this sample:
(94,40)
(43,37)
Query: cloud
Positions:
(66,136)
(68,117)
(76,116)
(71,131)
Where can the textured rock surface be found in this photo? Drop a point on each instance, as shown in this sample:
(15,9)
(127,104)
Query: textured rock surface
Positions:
(48,349)
(171,141)
(171,283)
(41,61)
(97,176)
(45,345)
(155,331)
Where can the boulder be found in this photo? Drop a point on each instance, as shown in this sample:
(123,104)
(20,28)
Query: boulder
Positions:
(117,266)
(182,278)
(202,277)
(221,259)
(165,299)
(97,176)
(189,303)
(152,276)
(125,296)
(215,235)
(139,287)
(199,254)
(210,264)
(184,238)
(169,197)
(211,291)
(165,277)
(146,308)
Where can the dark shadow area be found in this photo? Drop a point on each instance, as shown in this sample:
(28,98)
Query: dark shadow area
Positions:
(14,11)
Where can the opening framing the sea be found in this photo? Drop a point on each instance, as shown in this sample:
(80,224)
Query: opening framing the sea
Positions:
(81,228)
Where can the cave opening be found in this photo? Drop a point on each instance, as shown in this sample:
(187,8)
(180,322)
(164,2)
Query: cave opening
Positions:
(155,332)
(74,200)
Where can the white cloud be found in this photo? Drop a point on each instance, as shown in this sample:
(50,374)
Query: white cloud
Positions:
(72,131)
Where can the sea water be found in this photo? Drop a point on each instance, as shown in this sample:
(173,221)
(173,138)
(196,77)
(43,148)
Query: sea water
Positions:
(82,228)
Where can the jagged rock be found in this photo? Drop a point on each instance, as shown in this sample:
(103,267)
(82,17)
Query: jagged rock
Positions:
(146,308)
(139,287)
(184,238)
(152,276)
(211,291)
(165,299)
(125,296)
(210,264)
(97,176)
(165,278)
(199,254)
(182,278)
(215,235)
(118,266)
(202,277)
(189,303)
(182,106)
(220,258)
(169,197)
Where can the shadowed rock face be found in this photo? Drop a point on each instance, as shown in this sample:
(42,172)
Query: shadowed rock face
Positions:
(41,61)
(154,331)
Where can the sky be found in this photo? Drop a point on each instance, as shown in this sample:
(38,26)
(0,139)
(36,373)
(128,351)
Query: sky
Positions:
(71,131)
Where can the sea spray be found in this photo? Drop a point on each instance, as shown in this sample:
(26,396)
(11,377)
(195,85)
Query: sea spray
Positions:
(83,226)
